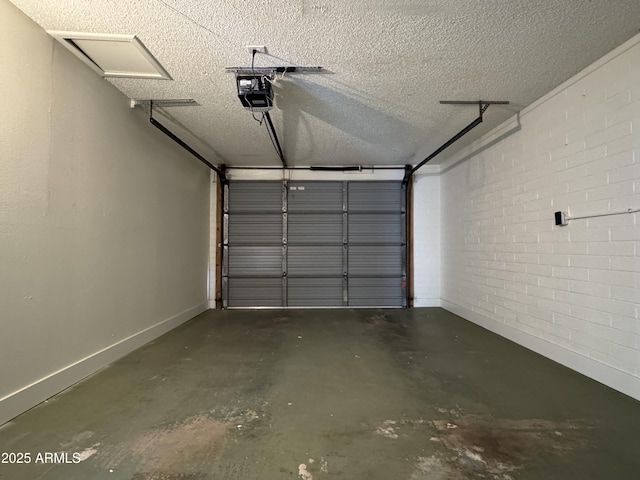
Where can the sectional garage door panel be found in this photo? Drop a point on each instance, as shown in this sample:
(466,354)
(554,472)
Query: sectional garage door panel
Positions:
(251,292)
(381,292)
(375,197)
(375,228)
(315,261)
(255,261)
(255,229)
(255,197)
(253,250)
(315,229)
(310,197)
(375,261)
(315,292)
(314,244)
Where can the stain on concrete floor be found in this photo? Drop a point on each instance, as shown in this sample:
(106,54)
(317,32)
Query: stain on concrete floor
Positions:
(477,447)
(481,447)
(195,442)
(162,448)
(168,476)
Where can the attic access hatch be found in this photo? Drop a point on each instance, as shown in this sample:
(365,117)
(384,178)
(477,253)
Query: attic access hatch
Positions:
(113,55)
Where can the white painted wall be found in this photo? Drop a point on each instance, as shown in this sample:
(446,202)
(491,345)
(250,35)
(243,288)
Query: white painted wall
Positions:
(571,293)
(213,237)
(426,240)
(103,221)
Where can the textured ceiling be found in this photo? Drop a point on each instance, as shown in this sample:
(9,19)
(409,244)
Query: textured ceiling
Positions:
(387,64)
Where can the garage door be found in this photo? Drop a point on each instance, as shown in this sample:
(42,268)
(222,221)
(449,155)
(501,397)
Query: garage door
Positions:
(314,244)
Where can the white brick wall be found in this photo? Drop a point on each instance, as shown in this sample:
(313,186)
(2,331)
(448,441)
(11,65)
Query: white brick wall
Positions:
(504,262)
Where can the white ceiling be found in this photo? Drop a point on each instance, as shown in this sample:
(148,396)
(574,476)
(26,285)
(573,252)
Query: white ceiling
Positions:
(388,63)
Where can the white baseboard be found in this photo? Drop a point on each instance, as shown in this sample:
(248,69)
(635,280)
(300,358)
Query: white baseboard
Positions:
(609,376)
(27,397)
(426,302)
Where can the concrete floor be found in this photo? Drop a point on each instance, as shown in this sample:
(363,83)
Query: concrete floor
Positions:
(354,394)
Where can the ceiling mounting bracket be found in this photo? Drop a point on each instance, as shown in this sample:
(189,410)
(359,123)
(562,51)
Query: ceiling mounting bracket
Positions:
(482,104)
(272,70)
(162,102)
(220,171)
(482,107)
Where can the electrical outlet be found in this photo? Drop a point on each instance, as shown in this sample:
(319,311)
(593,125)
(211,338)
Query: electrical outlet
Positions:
(257,48)
(561,219)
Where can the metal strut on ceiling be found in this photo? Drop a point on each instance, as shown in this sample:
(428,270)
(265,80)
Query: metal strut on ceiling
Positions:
(183,144)
(273,70)
(274,137)
(482,107)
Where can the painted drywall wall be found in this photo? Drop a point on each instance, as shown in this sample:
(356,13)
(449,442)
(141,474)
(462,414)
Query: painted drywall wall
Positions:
(571,293)
(103,221)
(426,240)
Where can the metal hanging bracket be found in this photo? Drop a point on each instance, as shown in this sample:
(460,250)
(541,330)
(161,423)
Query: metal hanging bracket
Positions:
(220,171)
(272,70)
(482,107)
(482,104)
